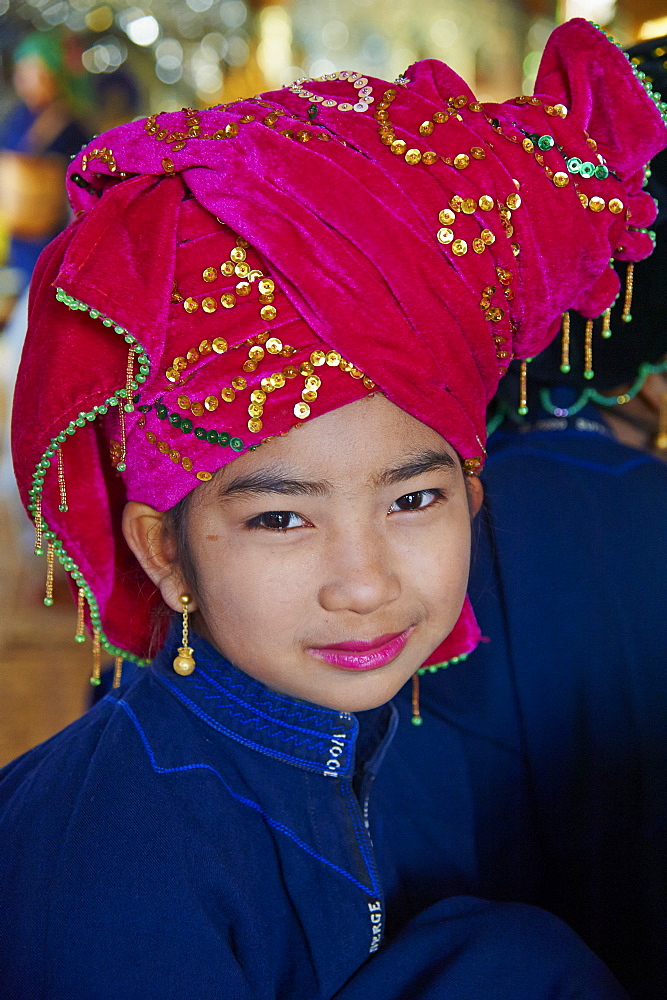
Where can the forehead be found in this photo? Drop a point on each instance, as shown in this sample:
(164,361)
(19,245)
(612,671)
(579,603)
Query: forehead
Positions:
(362,437)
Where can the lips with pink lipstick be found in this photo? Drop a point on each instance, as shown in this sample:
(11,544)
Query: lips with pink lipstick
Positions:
(364,654)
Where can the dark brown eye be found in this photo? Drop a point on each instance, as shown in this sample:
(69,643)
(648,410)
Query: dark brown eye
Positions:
(416,501)
(276,520)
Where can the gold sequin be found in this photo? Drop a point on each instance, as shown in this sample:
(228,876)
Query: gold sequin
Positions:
(172,374)
(257,396)
(426,128)
(256,353)
(227,395)
(267,385)
(168,165)
(516,249)
(333,358)
(560,110)
(469,206)
(317,358)
(456,202)
(175,455)
(412,156)
(266,286)
(243,288)
(313,383)
(486,202)
(399,147)
(187,464)
(183,402)
(461,161)
(478,153)
(210,274)
(227,268)
(440,117)
(429,157)
(528,145)
(583,198)
(255,425)
(305,368)
(302,410)
(228,300)
(204,476)
(219,345)
(197,410)
(446,217)
(237,254)
(274,346)
(459,102)
(205,347)
(277,380)
(190,305)
(249,365)
(368,382)
(513,201)
(239,383)
(615,205)
(445,235)
(255,410)
(478,246)
(494,314)
(597,204)
(290,371)
(309,395)
(242,270)
(211,403)
(561,179)
(209,305)
(192,355)
(163,447)
(151,437)
(268,313)
(459,247)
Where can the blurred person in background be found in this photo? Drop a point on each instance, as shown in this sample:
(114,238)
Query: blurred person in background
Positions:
(37,139)
(569,582)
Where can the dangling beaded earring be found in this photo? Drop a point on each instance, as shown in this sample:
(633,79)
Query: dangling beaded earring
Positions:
(184,663)
(416,714)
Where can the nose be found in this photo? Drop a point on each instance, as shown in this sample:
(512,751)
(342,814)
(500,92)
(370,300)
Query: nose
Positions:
(359,573)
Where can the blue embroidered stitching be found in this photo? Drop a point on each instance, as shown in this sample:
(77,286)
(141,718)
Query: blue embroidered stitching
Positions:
(280,827)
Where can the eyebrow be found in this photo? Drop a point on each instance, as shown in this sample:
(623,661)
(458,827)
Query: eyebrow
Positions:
(273,482)
(425,461)
(268,481)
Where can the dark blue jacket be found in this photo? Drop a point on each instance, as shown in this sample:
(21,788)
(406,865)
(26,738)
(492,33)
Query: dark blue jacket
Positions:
(206,837)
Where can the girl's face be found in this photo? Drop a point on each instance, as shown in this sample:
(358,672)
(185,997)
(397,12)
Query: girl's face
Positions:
(331,562)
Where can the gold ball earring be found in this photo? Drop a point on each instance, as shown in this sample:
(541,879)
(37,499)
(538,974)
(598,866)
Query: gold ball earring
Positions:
(184,663)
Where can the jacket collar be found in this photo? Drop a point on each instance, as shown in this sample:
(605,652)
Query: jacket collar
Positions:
(245,710)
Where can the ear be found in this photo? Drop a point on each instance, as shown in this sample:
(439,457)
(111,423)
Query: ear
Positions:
(155,550)
(475,494)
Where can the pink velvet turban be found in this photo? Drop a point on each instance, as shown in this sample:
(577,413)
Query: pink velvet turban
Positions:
(233,272)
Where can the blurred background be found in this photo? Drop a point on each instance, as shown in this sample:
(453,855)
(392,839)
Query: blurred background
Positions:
(70,69)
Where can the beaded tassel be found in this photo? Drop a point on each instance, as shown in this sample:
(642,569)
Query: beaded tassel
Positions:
(50,560)
(661,437)
(117,671)
(129,377)
(97,659)
(588,350)
(61,483)
(39,544)
(416,715)
(565,344)
(606,324)
(626,315)
(523,388)
(80,634)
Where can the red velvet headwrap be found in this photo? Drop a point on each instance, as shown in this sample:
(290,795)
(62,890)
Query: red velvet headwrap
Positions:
(234,271)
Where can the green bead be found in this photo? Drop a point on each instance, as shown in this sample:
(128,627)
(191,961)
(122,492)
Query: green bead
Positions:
(95,681)
(417,720)
(80,421)
(589,374)
(140,377)
(48,601)
(627,319)
(79,638)
(107,322)
(70,430)
(62,507)
(90,416)
(121,467)
(39,551)
(61,438)
(565,369)
(129,407)
(522,411)
(312,111)
(606,334)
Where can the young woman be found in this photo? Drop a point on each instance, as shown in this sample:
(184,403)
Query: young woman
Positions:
(264,412)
